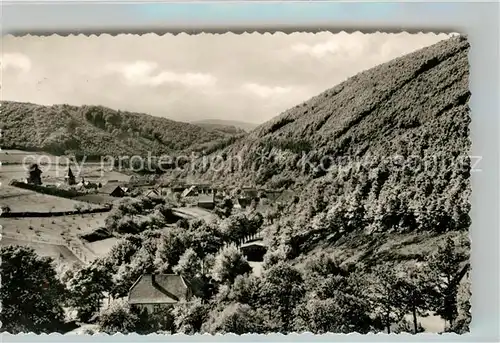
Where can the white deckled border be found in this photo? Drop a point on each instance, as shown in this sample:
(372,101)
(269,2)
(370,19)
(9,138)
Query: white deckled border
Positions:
(478,20)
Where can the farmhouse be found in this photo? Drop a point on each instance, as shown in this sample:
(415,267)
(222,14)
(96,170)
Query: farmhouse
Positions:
(207,201)
(154,292)
(191,191)
(152,193)
(118,192)
(113,189)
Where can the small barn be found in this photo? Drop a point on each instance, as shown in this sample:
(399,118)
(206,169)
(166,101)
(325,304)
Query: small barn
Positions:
(152,193)
(254,251)
(191,191)
(156,292)
(206,201)
(118,192)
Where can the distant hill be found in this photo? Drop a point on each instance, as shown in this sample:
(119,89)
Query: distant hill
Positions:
(370,143)
(97,131)
(226,124)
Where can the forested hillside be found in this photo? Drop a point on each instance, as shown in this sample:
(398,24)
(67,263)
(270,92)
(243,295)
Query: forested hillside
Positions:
(227,124)
(384,152)
(97,131)
(389,139)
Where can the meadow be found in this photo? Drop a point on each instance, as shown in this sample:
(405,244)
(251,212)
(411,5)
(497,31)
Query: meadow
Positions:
(54,168)
(19,200)
(51,236)
(59,253)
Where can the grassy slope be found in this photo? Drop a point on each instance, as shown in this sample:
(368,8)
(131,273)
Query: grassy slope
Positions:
(96,130)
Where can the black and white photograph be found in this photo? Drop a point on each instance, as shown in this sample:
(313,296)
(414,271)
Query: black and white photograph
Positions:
(235,183)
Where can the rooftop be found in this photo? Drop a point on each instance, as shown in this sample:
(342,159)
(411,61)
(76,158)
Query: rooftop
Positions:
(160,289)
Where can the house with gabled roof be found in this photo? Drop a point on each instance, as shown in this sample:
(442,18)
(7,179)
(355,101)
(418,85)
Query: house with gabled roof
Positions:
(113,189)
(189,191)
(156,292)
(154,192)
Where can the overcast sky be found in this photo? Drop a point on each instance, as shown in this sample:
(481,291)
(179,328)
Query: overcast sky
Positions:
(249,77)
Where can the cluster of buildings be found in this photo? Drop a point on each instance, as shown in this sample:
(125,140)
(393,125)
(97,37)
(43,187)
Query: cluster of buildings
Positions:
(157,292)
(201,195)
(205,195)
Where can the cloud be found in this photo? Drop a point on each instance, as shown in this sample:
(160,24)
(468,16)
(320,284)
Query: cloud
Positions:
(145,73)
(317,50)
(352,46)
(265,91)
(16,61)
(333,46)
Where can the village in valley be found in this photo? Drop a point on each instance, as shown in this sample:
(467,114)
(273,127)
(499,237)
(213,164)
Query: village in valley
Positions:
(67,218)
(343,206)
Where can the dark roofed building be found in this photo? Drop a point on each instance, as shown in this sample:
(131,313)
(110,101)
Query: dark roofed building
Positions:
(154,292)
(177,189)
(118,192)
(113,189)
(254,251)
(206,201)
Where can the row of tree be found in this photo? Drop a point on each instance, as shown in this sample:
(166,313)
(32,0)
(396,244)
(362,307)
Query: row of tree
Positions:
(323,296)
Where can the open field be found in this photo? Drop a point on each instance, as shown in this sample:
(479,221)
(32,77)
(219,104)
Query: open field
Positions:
(53,227)
(102,247)
(56,233)
(97,198)
(195,212)
(53,173)
(11,156)
(53,236)
(54,168)
(59,253)
(19,199)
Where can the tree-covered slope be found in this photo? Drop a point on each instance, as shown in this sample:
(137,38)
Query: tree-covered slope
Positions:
(96,130)
(387,148)
(227,124)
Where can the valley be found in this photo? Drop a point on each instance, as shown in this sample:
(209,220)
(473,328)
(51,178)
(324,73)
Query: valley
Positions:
(346,213)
